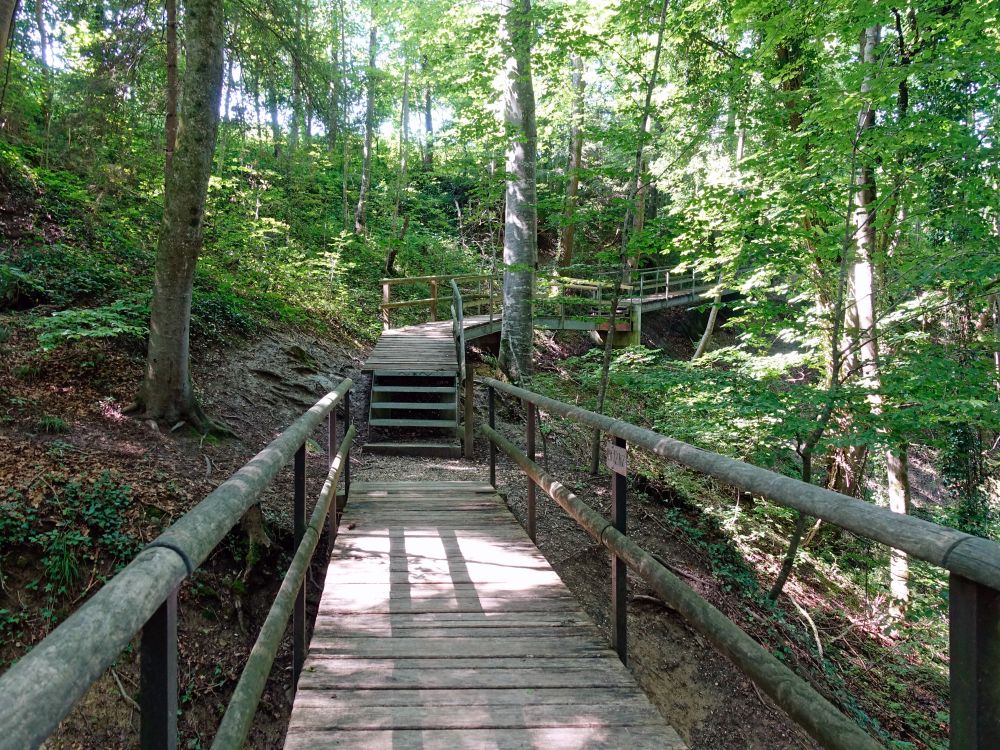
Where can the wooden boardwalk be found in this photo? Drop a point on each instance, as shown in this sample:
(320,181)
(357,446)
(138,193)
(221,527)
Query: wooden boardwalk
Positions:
(442,626)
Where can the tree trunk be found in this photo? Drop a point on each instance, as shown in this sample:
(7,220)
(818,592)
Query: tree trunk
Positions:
(575,159)
(272,106)
(520,237)
(7,10)
(706,337)
(404,142)
(166,391)
(360,215)
(333,113)
(345,101)
(428,120)
(897,479)
(43,35)
(633,189)
(170,125)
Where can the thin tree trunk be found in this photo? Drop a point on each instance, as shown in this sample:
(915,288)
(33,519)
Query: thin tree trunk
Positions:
(43,35)
(333,114)
(166,392)
(575,159)
(520,238)
(404,142)
(360,215)
(170,125)
(706,337)
(7,10)
(633,189)
(428,120)
(345,94)
(272,106)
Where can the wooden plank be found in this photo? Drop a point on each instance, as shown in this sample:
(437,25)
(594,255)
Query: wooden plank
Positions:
(356,699)
(506,738)
(454,647)
(627,712)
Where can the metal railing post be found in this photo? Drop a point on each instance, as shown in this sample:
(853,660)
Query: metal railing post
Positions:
(491,393)
(332,447)
(158,678)
(619,571)
(299,616)
(348,421)
(531,483)
(974,634)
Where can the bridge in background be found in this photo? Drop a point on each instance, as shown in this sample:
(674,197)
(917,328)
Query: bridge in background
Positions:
(417,370)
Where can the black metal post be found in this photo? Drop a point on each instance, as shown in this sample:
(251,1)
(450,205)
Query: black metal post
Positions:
(619,572)
(158,678)
(974,612)
(348,421)
(492,422)
(299,616)
(531,455)
(333,446)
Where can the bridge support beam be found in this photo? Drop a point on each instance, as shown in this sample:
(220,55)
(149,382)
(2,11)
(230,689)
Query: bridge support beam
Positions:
(633,337)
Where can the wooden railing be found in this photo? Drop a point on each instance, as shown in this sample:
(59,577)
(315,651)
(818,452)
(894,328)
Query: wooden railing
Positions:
(973,564)
(40,689)
(482,293)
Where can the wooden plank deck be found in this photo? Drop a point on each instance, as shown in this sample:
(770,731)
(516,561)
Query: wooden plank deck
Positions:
(442,626)
(425,347)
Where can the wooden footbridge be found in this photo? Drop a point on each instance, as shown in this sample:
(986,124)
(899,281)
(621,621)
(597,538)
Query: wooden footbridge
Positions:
(417,370)
(441,626)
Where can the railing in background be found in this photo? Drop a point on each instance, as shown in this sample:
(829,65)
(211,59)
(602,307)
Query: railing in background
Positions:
(973,564)
(41,688)
(484,294)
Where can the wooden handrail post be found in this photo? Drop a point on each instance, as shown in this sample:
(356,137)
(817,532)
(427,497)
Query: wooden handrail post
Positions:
(470,393)
(299,613)
(492,398)
(386,296)
(434,301)
(158,678)
(531,455)
(348,422)
(619,571)
(974,612)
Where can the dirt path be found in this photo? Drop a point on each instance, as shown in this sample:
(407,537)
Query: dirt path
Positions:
(699,692)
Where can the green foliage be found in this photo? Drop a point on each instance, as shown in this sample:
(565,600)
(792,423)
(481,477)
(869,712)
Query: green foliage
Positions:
(78,524)
(123,318)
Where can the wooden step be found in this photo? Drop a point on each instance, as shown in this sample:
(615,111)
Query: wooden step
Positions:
(413,389)
(433,450)
(439,423)
(434,406)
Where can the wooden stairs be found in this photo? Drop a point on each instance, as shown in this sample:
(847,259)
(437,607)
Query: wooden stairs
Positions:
(423,407)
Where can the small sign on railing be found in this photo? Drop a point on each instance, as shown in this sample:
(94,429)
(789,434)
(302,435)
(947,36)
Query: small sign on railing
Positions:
(616,458)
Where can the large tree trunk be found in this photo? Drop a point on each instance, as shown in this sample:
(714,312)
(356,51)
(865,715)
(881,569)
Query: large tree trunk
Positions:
(166,391)
(345,101)
(43,34)
(520,237)
(575,159)
(7,9)
(360,215)
(170,124)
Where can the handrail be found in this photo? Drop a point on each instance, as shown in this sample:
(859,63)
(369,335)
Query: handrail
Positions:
(458,328)
(806,706)
(970,556)
(974,564)
(42,687)
(238,718)
(431,303)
